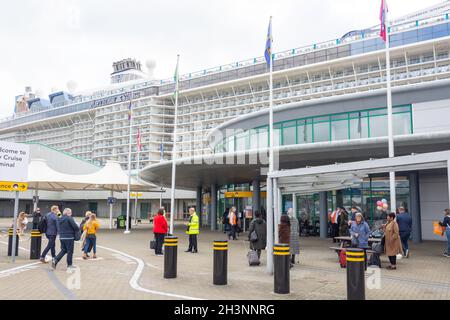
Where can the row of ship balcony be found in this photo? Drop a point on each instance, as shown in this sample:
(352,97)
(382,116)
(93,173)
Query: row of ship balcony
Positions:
(216,100)
(397,78)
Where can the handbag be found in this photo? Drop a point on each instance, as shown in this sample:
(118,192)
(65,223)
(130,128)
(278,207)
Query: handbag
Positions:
(152,244)
(253,236)
(438,229)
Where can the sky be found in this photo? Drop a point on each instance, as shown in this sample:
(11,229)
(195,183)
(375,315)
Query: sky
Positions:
(47,43)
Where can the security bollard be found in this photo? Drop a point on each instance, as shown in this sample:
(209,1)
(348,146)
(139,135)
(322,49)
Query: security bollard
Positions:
(35,246)
(220,277)
(281,268)
(10,241)
(170,257)
(356,284)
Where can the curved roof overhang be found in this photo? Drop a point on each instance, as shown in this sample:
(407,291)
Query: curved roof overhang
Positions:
(241,167)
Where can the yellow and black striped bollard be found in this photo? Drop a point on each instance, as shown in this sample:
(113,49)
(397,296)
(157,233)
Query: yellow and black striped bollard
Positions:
(220,276)
(170,257)
(35,246)
(282,266)
(10,242)
(356,284)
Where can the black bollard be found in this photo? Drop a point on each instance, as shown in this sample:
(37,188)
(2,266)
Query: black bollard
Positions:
(10,241)
(282,264)
(356,284)
(220,277)
(35,246)
(170,257)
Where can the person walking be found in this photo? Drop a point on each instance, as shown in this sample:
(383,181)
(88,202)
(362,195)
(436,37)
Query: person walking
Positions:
(392,243)
(294,245)
(51,231)
(36,218)
(225,221)
(160,229)
(233,221)
(91,227)
(258,228)
(343,222)
(67,230)
(446,223)
(334,224)
(192,230)
(404,221)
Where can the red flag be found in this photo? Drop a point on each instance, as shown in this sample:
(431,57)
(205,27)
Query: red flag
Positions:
(139,145)
(383,12)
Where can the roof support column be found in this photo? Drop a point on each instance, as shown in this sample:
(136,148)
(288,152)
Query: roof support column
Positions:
(323,215)
(414,207)
(213,207)
(256,200)
(199,205)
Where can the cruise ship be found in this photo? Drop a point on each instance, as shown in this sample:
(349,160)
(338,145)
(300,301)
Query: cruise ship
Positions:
(94,126)
(329,105)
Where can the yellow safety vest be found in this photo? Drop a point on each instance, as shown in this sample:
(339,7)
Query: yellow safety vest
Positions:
(193,225)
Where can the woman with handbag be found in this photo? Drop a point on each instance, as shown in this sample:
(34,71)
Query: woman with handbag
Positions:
(258,234)
(446,224)
(160,229)
(90,229)
(392,242)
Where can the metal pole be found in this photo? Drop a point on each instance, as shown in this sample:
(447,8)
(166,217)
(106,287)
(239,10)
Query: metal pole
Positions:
(111,211)
(14,240)
(390,118)
(270,219)
(137,194)
(127,226)
(174,149)
(276,208)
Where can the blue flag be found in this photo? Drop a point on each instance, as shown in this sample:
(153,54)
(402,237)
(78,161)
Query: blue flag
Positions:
(268,51)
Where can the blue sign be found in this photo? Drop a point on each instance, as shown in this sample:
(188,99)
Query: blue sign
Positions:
(111,200)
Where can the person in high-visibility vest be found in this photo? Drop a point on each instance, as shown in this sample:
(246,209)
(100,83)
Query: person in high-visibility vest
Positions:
(193,229)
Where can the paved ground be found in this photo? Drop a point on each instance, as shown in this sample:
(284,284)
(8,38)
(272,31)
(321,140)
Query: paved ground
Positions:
(127,269)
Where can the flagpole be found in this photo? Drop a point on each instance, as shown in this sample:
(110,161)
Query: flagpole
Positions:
(137,194)
(174,149)
(130,141)
(270,195)
(392,184)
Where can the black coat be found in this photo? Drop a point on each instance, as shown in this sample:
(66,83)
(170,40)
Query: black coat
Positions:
(258,225)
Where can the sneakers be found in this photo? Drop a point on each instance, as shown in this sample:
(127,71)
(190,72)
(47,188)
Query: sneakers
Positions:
(54,263)
(72,267)
(42,260)
(195,251)
(188,251)
(446,255)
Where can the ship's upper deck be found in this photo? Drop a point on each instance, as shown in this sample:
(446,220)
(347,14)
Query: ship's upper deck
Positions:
(354,43)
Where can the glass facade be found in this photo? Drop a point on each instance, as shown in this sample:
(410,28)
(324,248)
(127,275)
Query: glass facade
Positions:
(370,123)
(366,197)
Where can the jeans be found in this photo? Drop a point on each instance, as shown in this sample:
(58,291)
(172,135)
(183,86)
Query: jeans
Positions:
(447,232)
(404,236)
(232,233)
(159,238)
(192,242)
(51,246)
(66,248)
(91,243)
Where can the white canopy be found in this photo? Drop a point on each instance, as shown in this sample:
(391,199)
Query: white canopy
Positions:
(111,177)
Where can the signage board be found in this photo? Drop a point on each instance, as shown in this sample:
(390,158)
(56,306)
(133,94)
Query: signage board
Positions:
(14,160)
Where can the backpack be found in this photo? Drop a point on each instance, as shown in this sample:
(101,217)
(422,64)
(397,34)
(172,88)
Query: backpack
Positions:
(42,225)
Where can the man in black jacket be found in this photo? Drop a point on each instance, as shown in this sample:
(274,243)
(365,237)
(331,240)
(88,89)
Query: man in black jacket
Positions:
(67,230)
